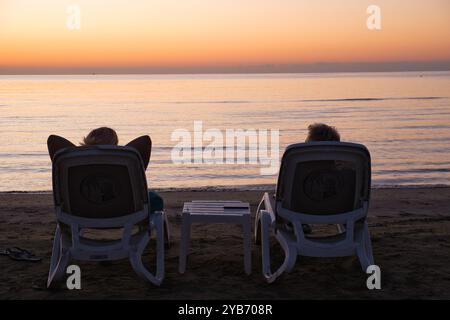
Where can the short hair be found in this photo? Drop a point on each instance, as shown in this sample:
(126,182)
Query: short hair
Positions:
(322,132)
(103,135)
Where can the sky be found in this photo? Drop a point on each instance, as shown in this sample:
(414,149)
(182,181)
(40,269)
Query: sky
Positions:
(123,36)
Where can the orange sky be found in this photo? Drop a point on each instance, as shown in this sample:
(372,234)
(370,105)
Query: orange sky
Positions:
(174,33)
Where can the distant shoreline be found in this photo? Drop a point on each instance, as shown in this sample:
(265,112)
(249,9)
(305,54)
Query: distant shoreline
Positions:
(223,72)
(262,187)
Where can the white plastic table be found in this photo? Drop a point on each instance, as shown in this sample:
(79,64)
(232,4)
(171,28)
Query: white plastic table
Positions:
(235,212)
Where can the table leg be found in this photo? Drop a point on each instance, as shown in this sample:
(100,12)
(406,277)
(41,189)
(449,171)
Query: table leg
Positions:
(246,224)
(184,243)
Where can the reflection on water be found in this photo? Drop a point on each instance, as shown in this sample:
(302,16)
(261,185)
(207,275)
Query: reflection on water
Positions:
(403,118)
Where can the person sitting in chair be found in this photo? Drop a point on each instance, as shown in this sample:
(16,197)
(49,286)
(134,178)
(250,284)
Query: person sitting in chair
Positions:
(108,136)
(320,132)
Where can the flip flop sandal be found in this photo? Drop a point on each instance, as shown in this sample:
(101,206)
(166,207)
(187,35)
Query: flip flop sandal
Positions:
(19,254)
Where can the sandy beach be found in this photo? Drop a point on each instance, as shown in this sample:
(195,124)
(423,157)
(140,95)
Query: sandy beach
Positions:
(410,230)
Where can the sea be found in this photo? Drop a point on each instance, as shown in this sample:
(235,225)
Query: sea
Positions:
(403,118)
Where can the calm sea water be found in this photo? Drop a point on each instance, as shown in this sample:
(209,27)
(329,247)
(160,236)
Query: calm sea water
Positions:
(403,118)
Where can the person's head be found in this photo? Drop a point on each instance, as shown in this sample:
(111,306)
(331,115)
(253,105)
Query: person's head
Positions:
(322,132)
(101,135)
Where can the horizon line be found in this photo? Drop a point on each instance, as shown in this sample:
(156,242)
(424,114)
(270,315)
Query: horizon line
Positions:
(318,67)
(215,73)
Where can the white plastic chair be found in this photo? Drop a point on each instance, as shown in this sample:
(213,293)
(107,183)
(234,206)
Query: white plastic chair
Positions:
(103,187)
(319,183)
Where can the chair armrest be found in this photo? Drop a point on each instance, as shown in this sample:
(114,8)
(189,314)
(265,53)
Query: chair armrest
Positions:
(268,218)
(269,203)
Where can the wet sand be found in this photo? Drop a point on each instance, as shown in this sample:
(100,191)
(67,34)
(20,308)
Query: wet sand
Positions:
(410,232)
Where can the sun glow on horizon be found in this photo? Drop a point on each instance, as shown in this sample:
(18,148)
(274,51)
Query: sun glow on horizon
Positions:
(173,33)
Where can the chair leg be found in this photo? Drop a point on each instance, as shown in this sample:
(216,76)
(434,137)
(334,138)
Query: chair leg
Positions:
(258,222)
(59,259)
(265,249)
(290,255)
(364,249)
(289,251)
(136,255)
(160,254)
(257,227)
(362,256)
(184,242)
(167,230)
(247,230)
(368,244)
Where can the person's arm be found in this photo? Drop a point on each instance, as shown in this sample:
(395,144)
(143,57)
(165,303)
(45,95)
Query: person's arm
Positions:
(144,146)
(56,143)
